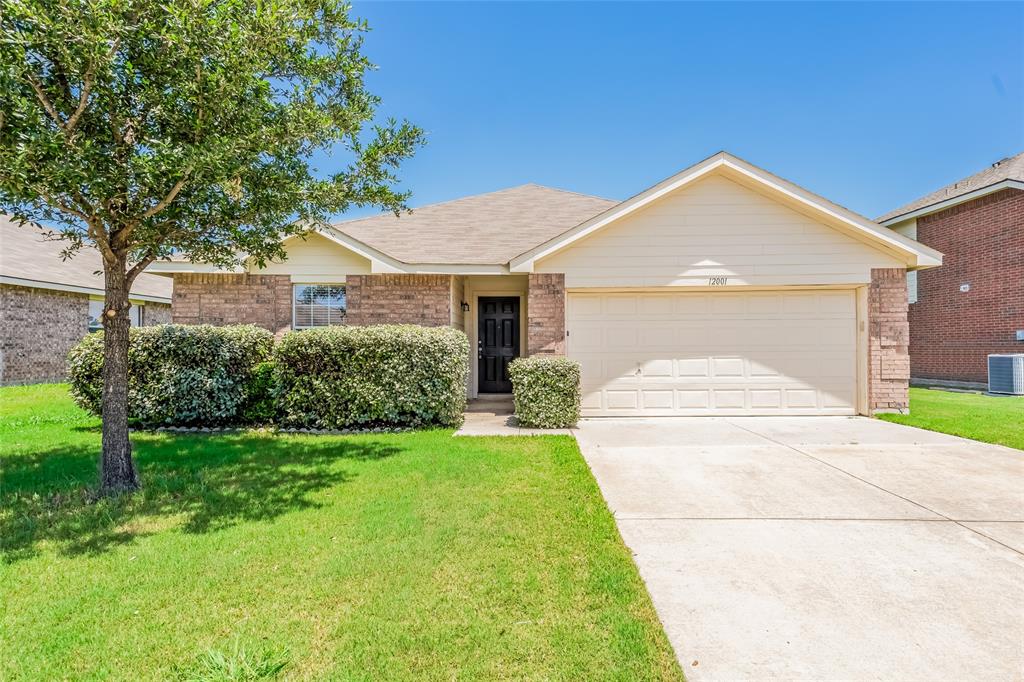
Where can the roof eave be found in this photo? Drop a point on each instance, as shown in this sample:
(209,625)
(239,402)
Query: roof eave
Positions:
(954,201)
(76,289)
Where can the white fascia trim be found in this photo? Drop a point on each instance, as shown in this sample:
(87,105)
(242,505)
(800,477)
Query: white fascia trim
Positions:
(920,255)
(953,201)
(72,288)
(379,261)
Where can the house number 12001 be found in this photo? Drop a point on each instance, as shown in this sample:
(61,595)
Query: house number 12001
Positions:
(717,281)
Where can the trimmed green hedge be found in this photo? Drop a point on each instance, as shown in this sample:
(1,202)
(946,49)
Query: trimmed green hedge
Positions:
(399,375)
(178,374)
(546,391)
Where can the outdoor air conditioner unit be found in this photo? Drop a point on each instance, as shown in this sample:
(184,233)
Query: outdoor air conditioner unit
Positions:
(1006,374)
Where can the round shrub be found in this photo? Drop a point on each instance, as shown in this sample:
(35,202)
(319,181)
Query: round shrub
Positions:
(177,374)
(546,391)
(396,375)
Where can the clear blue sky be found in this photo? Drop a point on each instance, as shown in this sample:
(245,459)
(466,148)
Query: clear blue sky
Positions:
(868,104)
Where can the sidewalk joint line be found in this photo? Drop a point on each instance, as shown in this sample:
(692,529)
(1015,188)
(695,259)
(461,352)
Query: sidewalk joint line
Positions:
(874,485)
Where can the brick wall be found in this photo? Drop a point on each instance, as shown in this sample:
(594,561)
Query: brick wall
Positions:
(156,313)
(37,329)
(888,341)
(218,299)
(545,333)
(952,332)
(399,299)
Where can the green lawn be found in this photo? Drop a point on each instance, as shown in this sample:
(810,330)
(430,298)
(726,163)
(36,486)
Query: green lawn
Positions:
(971,415)
(395,556)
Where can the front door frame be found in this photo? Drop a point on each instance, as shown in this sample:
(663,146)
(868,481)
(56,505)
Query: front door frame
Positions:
(477,320)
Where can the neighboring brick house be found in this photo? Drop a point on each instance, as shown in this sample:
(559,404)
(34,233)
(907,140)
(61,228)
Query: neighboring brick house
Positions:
(722,290)
(47,304)
(974,304)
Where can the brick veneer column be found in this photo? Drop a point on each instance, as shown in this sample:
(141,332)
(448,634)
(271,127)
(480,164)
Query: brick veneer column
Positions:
(545,332)
(888,341)
(219,299)
(399,299)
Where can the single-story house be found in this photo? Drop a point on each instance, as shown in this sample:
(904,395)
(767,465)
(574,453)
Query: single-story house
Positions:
(723,290)
(974,304)
(47,304)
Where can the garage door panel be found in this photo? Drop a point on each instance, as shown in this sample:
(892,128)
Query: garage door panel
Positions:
(620,306)
(693,367)
(621,400)
(711,353)
(801,398)
(662,400)
(728,367)
(657,306)
(693,399)
(729,398)
(766,398)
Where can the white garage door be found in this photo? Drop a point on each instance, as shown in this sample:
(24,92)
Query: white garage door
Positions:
(767,352)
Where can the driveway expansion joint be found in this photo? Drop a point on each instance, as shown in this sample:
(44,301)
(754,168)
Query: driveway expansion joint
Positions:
(876,486)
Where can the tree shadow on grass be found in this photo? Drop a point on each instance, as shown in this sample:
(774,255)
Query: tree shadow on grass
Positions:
(196,483)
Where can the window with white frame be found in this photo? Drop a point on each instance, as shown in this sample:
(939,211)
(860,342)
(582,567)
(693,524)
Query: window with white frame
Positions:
(318,305)
(135,315)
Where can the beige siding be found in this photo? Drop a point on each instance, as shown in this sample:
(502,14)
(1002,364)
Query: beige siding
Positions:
(717,228)
(908,228)
(316,259)
(458,296)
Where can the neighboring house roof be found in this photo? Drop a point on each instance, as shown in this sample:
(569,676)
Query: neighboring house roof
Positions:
(723,162)
(28,258)
(1008,172)
(486,229)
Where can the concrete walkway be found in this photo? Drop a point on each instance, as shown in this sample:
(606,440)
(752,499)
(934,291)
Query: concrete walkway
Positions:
(822,547)
(492,415)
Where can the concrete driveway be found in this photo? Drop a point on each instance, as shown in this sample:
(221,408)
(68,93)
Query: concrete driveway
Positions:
(821,547)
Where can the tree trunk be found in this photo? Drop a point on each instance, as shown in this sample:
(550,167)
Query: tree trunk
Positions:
(117,469)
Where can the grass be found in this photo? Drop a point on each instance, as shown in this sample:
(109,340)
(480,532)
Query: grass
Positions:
(257,556)
(971,415)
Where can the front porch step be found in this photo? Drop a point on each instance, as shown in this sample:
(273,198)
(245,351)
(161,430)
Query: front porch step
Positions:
(497,403)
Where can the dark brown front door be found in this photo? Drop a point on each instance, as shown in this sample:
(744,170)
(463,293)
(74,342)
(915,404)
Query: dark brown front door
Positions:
(497,342)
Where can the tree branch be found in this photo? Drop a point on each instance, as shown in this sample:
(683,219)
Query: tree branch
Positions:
(63,207)
(68,127)
(166,201)
(137,269)
(83,100)
(45,101)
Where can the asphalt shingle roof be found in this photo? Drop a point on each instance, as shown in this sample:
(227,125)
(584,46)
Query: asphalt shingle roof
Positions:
(25,253)
(484,229)
(1010,168)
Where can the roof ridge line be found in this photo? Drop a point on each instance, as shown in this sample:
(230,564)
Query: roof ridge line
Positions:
(433,204)
(475,196)
(567,191)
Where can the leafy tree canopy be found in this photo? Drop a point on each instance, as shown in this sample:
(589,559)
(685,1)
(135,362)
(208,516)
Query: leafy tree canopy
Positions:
(188,125)
(146,128)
